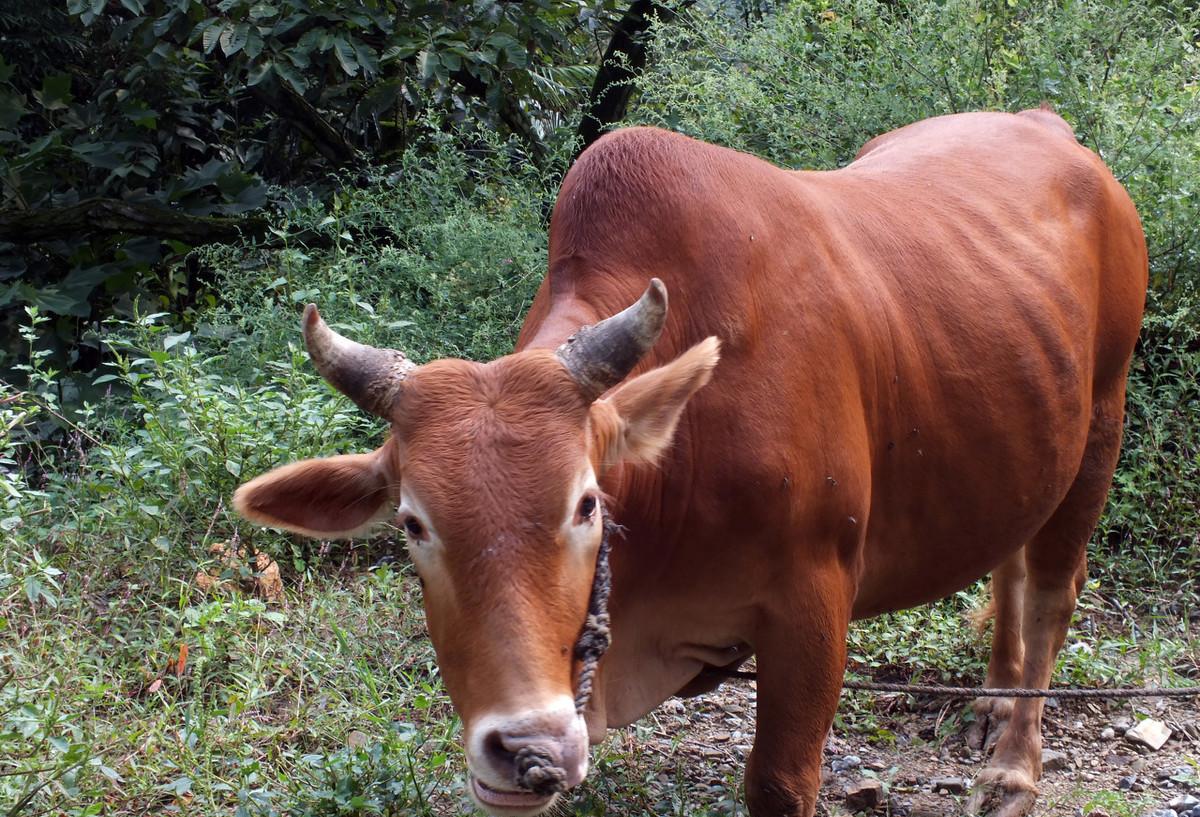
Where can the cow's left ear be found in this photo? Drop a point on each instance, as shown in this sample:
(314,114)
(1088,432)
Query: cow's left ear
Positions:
(636,421)
(330,498)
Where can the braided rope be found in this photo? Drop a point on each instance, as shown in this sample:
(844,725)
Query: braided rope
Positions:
(990,692)
(596,634)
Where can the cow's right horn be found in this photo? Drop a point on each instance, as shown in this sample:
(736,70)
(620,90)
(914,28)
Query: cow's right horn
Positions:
(599,357)
(371,377)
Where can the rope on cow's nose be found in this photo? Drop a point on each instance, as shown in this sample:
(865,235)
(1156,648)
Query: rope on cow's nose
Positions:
(595,636)
(537,772)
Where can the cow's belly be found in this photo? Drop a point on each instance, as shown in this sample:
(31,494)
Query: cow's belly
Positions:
(936,527)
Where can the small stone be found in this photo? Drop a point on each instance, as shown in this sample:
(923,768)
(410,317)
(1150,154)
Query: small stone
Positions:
(1053,761)
(721,737)
(1150,733)
(1166,812)
(846,763)
(1184,802)
(356,739)
(1108,734)
(950,785)
(1097,813)
(1126,783)
(864,795)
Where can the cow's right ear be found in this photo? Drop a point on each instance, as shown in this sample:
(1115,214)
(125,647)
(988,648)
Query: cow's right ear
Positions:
(636,421)
(330,498)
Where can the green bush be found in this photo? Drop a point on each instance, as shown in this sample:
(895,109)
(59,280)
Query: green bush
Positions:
(106,524)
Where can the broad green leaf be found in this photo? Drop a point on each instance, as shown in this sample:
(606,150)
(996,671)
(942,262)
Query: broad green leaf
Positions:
(212,36)
(345,56)
(254,43)
(233,38)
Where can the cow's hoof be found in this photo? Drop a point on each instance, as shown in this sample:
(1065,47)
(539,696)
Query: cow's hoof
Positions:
(1002,793)
(991,719)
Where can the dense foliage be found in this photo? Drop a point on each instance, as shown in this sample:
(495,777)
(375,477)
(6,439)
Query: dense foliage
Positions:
(132,132)
(157,370)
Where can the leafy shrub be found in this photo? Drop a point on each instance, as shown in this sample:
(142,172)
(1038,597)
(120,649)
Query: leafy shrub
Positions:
(105,525)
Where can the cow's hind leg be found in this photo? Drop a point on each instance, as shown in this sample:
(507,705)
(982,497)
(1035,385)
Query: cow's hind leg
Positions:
(1008,652)
(1055,564)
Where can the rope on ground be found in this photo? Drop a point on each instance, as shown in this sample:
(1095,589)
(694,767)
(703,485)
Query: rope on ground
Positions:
(992,692)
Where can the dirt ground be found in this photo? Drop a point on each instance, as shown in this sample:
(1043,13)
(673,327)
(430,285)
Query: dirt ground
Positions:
(919,742)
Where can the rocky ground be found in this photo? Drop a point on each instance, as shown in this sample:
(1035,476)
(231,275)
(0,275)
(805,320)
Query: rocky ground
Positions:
(908,756)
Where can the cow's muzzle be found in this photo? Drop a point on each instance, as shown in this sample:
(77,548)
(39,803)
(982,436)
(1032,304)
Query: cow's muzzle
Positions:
(520,764)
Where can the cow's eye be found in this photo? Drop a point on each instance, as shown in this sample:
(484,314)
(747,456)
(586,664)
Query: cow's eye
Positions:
(414,528)
(587,507)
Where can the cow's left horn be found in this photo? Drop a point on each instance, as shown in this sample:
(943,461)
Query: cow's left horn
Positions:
(599,357)
(370,377)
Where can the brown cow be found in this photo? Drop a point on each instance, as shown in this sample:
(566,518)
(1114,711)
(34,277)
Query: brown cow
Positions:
(921,380)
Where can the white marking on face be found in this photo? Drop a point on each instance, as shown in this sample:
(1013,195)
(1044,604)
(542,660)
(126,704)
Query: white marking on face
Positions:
(425,547)
(582,523)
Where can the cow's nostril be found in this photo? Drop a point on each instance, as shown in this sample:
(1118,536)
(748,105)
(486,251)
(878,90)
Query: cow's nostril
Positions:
(497,755)
(531,762)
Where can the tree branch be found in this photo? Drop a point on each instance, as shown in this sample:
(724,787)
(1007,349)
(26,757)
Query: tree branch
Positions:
(283,99)
(622,62)
(118,216)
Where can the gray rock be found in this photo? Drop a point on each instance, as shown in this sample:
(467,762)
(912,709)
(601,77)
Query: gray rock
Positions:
(1166,812)
(1108,734)
(1184,802)
(864,795)
(1053,761)
(846,763)
(1126,783)
(952,785)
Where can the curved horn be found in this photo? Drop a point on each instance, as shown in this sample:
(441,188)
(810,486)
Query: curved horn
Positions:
(370,377)
(599,357)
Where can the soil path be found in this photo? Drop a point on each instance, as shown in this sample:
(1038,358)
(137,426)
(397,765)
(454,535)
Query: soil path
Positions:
(916,750)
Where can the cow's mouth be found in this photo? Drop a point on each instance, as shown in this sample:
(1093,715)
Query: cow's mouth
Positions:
(517,801)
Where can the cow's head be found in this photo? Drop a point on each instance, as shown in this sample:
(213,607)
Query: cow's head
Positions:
(492,470)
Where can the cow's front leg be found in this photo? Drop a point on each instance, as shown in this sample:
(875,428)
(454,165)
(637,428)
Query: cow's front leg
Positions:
(801,659)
